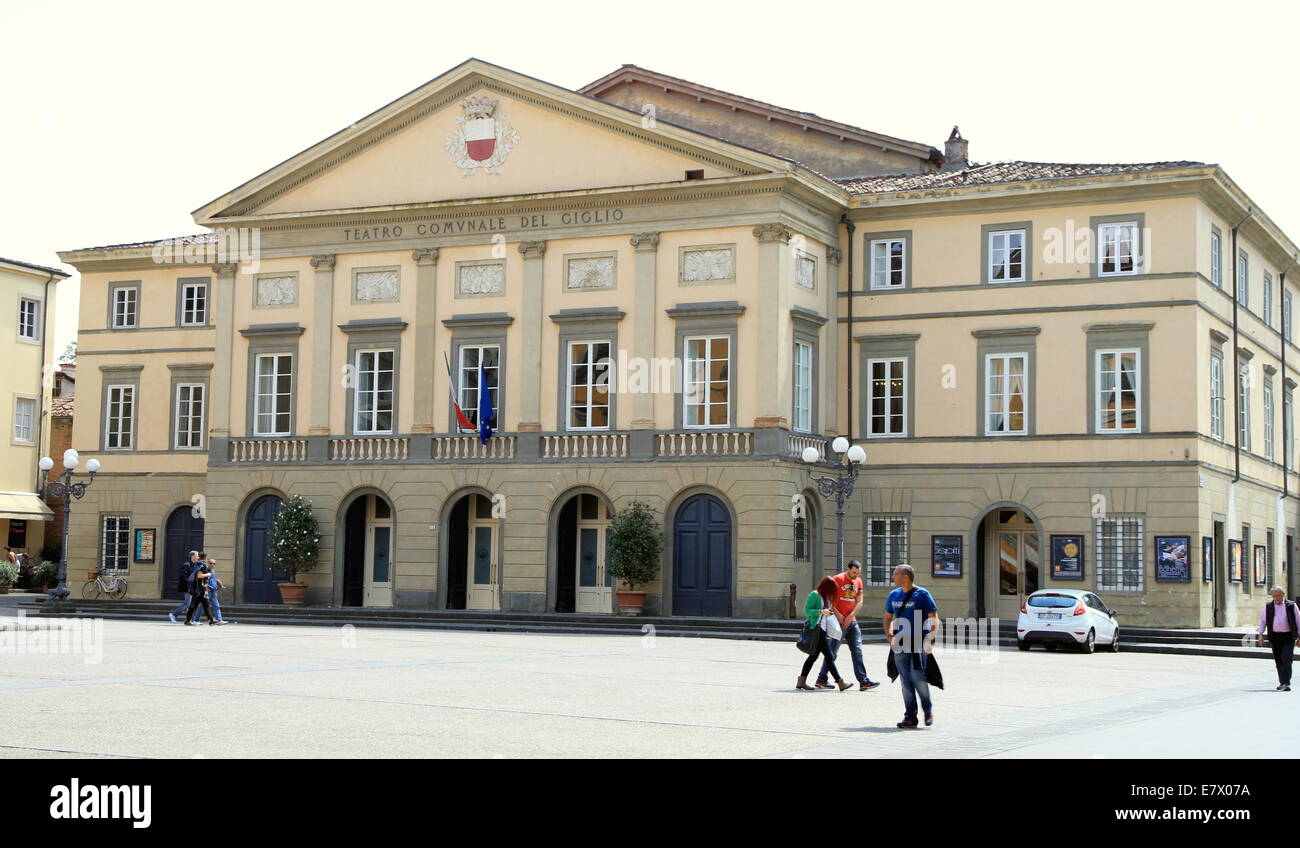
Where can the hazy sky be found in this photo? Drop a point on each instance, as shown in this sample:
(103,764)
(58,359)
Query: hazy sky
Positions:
(118,119)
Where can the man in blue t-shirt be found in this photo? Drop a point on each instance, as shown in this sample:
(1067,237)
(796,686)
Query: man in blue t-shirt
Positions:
(912,624)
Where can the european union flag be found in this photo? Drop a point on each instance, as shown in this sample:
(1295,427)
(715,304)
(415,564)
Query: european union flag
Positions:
(487,419)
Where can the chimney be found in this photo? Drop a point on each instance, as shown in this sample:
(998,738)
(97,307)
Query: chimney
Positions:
(954,152)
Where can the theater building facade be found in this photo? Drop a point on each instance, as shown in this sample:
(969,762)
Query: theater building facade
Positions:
(667,292)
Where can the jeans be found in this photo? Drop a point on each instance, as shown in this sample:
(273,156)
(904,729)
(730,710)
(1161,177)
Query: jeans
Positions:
(853,636)
(823,651)
(185,604)
(194,605)
(914,682)
(1283,645)
(216,605)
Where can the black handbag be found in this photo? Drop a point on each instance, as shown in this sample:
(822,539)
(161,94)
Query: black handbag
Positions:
(809,640)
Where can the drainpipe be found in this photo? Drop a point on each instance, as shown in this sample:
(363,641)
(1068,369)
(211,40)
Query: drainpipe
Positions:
(844,219)
(1236,353)
(40,422)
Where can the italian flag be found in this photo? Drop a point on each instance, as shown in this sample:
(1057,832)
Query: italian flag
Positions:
(461,418)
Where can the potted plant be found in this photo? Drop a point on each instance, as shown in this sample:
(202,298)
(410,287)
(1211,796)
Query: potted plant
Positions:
(634,546)
(294,548)
(46,575)
(8,574)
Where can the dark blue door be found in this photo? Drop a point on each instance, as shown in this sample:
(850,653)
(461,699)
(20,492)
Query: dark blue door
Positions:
(184,534)
(259,581)
(702,558)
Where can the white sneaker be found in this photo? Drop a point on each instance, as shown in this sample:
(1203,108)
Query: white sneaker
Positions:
(172,616)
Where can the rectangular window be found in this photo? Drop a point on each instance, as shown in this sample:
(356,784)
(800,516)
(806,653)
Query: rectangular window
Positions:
(1243,280)
(373,412)
(802,419)
(1007,256)
(125,301)
(887,397)
(802,548)
(189,415)
(886,547)
(589,376)
(1216,258)
(194,304)
(888,263)
(1243,404)
(27,312)
(24,416)
(470,357)
(1119,248)
(1006,394)
(115,550)
(119,418)
(273,397)
(706,399)
(1268,299)
(1117,391)
(1119,542)
(1216,396)
(1268,419)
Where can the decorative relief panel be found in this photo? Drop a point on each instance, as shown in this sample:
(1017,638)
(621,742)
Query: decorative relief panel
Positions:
(596,272)
(805,272)
(276,291)
(481,279)
(375,286)
(706,265)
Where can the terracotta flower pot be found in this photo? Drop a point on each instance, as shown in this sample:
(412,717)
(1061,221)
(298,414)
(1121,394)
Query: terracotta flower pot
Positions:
(292,593)
(629,603)
(4,590)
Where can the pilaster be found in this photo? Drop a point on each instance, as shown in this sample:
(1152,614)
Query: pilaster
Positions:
(530,360)
(322,336)
(772,407)
(426,336)
(223,320)
(643,322)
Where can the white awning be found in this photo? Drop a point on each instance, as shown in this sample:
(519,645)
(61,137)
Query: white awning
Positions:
(24,506)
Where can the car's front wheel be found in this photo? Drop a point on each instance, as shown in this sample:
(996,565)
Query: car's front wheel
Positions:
(1090,643)
(1114,643)
(1022,644)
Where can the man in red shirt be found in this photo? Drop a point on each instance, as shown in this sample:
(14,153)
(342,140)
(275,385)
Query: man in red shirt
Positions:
(848,603)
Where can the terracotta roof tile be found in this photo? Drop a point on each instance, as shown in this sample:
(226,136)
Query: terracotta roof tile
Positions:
(62,407)
(999,172)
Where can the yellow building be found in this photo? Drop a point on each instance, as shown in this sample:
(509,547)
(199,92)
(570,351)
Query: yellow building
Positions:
(670,292)
(26,339)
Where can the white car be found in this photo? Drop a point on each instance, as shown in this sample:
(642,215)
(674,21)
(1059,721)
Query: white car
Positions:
(1066,616)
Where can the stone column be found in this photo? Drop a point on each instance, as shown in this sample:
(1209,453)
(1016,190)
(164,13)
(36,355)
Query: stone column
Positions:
(643,324)
(530,359)
(223,321)
(322,335)
(426,337)
(829,378)
(769,379)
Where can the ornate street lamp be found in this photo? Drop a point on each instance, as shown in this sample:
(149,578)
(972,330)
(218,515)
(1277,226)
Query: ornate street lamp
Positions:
(840,485)
(66,490)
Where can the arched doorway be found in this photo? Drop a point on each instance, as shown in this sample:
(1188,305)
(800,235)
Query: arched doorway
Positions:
(473,563)
(259,579)
(702,558)
(368,552)
(807,545)
(582,583)
(1011,553)
(184,533)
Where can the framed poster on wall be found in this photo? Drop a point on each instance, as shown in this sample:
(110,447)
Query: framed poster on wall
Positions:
(1067,557)
(1207,558)
(144,544)
(1236,566)
(1261,565)
(1173,559)
(945,556)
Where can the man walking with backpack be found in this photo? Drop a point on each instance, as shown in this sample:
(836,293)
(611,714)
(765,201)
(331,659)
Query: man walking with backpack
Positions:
(183,584)
(1280,621)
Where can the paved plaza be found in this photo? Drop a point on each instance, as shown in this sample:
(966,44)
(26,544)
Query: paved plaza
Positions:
(280,691)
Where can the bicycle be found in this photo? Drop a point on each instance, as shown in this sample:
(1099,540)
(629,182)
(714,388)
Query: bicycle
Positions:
(115,589)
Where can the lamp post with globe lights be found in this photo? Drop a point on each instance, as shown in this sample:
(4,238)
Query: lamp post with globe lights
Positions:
(66,490)
(840,484)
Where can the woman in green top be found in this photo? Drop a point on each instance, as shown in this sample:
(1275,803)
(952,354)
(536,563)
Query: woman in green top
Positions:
(815,609)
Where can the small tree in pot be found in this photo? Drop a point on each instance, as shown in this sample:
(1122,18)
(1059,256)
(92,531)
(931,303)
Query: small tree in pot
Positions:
(295,547)
(634,545)
(8,574)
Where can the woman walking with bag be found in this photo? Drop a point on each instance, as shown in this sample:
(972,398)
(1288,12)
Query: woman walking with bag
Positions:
(819,616)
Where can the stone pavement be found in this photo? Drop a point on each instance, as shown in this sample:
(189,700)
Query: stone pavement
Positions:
(287,691)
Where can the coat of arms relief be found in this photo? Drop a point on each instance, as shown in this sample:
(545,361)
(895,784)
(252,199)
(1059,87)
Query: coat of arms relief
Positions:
(483,137)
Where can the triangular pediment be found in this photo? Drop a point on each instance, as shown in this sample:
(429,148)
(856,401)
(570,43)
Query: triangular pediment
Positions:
(481,131)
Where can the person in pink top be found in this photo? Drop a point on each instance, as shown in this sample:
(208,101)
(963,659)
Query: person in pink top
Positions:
(1280,621)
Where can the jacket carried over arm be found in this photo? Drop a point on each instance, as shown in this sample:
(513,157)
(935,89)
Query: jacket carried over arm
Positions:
(812,609)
